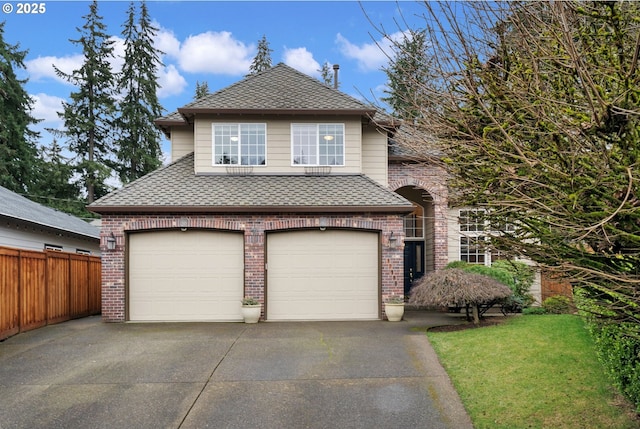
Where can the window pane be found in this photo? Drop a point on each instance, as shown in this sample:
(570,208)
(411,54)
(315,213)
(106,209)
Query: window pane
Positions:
(253,142)
(304,150)
(331,143)
(472,250)
(471,220)
(239,144)
(225,144)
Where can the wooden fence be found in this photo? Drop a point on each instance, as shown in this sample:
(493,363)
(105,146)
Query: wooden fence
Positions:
(42,288)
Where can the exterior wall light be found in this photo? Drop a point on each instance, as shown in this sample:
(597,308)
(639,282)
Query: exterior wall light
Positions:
(323,223)
(111,242)
(393,240)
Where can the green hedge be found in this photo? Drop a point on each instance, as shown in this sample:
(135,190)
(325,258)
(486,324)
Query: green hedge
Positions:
(617,345)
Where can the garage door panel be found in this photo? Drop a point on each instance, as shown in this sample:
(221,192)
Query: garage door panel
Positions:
(192,275)
(334,272)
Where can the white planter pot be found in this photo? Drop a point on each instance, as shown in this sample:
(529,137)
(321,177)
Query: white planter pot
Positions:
(250,313)
(394,312)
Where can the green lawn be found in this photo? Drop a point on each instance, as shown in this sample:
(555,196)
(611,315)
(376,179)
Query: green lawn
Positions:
(532,372)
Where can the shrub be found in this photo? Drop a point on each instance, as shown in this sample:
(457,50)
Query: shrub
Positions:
(558,304)
(516,275)
(618,347)
(534,310)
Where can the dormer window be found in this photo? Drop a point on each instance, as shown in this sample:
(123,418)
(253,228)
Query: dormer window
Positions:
(317,144)
(239,144)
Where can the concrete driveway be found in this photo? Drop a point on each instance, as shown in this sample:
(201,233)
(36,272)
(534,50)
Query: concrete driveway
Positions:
(89,374)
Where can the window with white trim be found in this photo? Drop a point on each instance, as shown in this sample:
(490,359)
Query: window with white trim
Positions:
(239,144)
(473,250)
(471,220)
(473,245)
(317,144)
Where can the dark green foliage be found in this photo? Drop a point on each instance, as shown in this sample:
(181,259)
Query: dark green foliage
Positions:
(137,147)
(619,350)
(19,166)
(202,89)
(558,304)
(262,60)
(409,64)
(89,116)
(534,311)
(326,74)
(56,189)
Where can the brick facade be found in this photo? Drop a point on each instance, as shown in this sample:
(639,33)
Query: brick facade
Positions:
(433,180)
(254,228)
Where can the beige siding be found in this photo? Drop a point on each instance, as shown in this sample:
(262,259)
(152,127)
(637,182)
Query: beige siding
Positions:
(374,155)
(278,144)
(454,234)
(181,142)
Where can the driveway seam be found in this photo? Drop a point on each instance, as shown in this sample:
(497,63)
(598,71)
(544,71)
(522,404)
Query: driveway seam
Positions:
(206,383)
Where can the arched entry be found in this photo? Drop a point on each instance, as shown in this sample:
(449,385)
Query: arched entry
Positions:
(419,249)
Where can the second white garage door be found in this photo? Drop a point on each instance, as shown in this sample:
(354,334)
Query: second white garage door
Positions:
(323,275)
(195,275)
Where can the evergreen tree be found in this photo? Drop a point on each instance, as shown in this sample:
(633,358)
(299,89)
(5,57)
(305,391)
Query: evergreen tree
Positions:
(202,89)
(409,66)
(262,60)
(326,74)
(89,116)
(18,154)
(56,188)
(138,146)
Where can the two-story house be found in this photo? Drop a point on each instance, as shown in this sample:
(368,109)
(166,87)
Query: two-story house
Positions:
(281,188)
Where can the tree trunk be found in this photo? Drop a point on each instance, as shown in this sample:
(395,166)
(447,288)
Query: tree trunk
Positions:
(476,314)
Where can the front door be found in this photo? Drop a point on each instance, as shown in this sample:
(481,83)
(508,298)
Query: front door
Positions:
(413,263)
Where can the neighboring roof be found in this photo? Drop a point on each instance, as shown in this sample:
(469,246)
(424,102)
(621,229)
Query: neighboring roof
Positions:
(176,188)
(17,207)
(278,90)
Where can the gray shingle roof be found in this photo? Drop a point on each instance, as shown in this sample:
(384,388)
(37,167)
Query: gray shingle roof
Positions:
(176,187)
(18,207)
(280,89)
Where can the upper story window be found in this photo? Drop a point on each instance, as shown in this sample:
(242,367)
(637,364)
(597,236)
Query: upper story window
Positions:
(472,220)
(239,144)
(317,144)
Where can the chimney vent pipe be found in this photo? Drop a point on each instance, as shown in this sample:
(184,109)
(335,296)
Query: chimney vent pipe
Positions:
(336,67)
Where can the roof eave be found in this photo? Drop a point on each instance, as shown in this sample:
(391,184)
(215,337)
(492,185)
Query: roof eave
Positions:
(390,209)
(188,111)
(48,227)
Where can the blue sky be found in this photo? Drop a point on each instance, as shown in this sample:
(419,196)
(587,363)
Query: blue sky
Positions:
(214,41)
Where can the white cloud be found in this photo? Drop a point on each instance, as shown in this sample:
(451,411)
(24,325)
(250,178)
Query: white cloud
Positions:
(370,56)
(215,52)
(167,42)
(171,82)
(42,67)
(302,60)
(46,107)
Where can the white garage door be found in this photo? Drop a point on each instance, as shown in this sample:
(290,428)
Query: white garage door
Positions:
(193,275)
(322,275)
